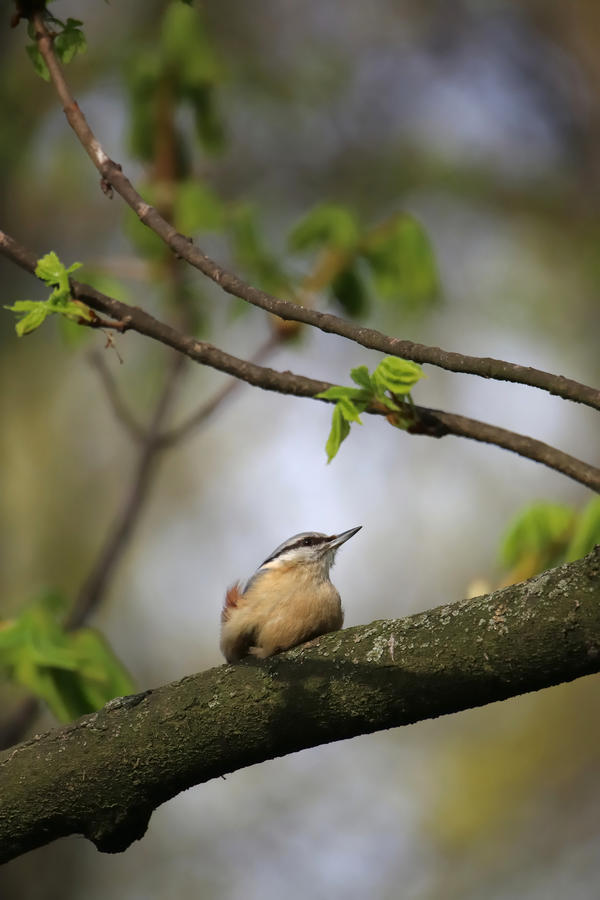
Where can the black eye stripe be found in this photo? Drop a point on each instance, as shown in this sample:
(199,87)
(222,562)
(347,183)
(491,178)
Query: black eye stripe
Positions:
(297,542)
(306,542)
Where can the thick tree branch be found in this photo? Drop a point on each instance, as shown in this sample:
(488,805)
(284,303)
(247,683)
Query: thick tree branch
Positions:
(431,422)
(113,177)
(104,775)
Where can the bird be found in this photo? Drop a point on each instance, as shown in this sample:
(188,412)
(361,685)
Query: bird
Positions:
(288,600)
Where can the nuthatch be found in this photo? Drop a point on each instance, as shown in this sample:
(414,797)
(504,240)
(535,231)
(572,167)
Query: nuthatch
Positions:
(288,600)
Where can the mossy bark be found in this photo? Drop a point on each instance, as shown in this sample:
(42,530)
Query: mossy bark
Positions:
(103,775)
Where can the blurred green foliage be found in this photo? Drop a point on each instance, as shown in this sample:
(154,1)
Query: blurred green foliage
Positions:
(355,264)
(393,261)
(252,253)
(73,672)
(402,264)
(183,64)
(327,225)
(544,535)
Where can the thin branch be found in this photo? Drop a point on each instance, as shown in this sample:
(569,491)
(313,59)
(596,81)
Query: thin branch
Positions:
(155,441)
(121,531)
(183,247)
(200,416)
(103,775)
(426,421)
(437,423)
(120,409)
(167,439)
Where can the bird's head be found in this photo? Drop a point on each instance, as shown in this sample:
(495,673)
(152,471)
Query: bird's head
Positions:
(309,548)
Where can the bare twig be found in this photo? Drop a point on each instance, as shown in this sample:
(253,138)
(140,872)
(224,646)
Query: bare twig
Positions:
(154,442)
(104,324)
(199,417)
(137,494)
(122,413)
(112,174)
(426,421)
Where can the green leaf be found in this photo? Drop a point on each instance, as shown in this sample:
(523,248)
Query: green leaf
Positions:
(71,309)
(541,529)
(361,376)
(197,208)
(339,392)
(340,429)
(70,41)
(392,374)
(37,59)
(53,272)
(349,411)
(32,312)
(326,224)
(402,263)
(102,675)
(12,635)
(44,641)
(349,289)
(41,682)
(587,532)
(396,375)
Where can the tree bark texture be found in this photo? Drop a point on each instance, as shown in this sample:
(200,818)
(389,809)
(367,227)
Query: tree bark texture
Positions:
(103,775)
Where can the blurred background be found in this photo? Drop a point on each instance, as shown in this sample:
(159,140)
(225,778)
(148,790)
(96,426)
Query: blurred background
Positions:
(478,119)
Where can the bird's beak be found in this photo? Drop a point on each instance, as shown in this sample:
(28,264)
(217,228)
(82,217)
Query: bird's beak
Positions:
(338,539)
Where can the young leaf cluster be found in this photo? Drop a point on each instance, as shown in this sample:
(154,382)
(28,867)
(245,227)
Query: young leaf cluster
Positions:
(73,672)
(32,313)
(389,386)
(69,40)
